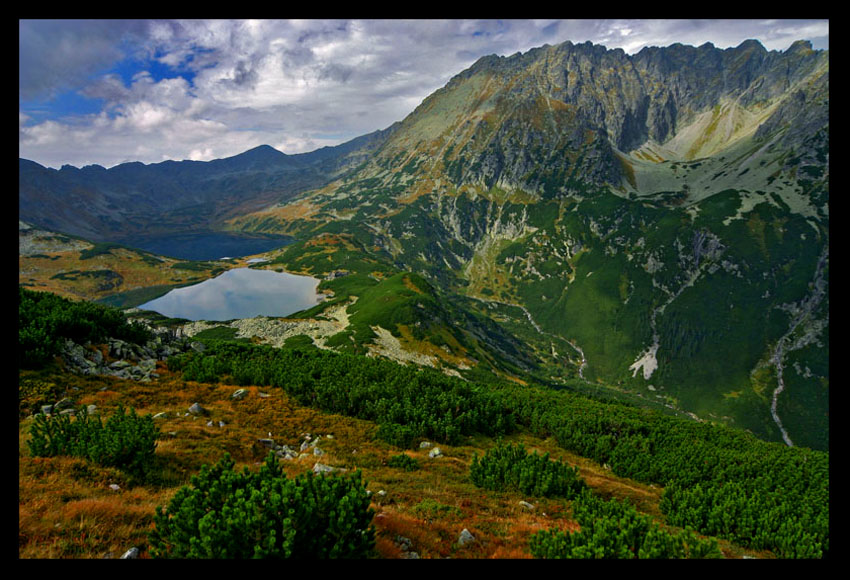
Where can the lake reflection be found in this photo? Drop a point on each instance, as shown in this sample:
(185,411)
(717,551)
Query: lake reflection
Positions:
(239,293)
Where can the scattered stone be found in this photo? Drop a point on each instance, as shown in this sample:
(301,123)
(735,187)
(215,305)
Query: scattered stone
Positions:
(286,453)
(318,452)
(221,423)
(130,554)
(404,544)
(65,403)
(322,468)
(196,409)
(91,410)
(114,486)
(47,409)
(526,505)
(425,445)
(239,394)
(210,423)
(465,538)
(263,395)
(435,452)
(162,415)
(70,412)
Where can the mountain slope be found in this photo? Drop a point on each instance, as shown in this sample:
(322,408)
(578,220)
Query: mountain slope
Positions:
(133,198)
(658,219)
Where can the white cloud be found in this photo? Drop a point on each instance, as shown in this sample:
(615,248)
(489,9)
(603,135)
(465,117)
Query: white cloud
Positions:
(296,85)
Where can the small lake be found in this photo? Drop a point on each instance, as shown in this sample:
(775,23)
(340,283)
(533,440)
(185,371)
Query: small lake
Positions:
(239,293)
(206,245)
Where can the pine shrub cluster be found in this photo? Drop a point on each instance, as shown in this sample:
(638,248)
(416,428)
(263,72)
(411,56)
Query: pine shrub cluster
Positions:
(615,530)
(240,515)
(718,481)
(407,403)
(126,440)
(45,320)
(510,467)
(403,461)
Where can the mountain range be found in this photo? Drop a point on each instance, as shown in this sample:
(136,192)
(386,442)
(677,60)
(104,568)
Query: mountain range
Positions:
(653,225)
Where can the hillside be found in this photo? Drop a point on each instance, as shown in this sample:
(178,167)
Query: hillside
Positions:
(646,214)
(319,408)
(134,199)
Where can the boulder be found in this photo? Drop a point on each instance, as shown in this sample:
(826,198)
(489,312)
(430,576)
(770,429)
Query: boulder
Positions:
(196,409)
(465,538)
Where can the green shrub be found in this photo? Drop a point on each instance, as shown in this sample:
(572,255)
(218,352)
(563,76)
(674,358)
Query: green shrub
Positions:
(403,461)
(227,514)
(615,530)
(509,467)
(125,440)
(45,320)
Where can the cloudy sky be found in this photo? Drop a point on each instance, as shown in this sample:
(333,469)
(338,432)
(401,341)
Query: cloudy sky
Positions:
(106,92)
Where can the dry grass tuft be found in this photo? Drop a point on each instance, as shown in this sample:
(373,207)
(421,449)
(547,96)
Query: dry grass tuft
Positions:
(68,510)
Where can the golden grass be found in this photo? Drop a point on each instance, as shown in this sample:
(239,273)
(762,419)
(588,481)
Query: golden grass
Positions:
(68,510)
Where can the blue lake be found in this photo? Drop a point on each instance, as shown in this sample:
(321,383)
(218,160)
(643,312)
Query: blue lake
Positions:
(239,293)
(206,245)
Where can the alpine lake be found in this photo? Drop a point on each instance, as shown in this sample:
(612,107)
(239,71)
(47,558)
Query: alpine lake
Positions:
(236,293)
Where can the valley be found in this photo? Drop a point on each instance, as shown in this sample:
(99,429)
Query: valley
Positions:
(626,255)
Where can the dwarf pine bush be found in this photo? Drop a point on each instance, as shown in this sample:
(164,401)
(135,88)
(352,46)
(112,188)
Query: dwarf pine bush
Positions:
(230,514)
(126,440)
(616,530)
(510,467)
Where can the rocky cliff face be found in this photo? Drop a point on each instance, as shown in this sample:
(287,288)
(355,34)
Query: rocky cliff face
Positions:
(561,112)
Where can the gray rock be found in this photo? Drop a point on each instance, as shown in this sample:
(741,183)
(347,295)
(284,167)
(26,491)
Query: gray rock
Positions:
(286,453)
(425,445)
(435,452)
(147,365)
(526,505)
(91,410)
(465,538)
(239,394)
(130,554)
(47,409)
(197,409)
(63,404)
(322,468)
(162,415)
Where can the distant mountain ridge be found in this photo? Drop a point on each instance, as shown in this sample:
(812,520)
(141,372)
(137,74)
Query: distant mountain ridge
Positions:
(104,204)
